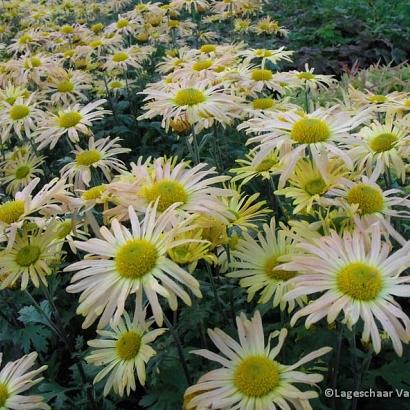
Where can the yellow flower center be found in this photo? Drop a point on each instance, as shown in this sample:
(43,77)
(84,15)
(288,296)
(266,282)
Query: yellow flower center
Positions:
(136,258)
(25,39)
(95,28)
(120,57)
(202,65)
(315,186)
(18,112)
(34,62)
(4,394)
(277,274)
(116,84)
(142,37)
(208,48)
(369,198)
(262,75)
(69,119)
(407,103)
(310,131)
(128,345)
(28,255)
(65,86)
(93,193)
(173,23)
(168,191)
(261,52)
(256,376)
(11,211)
(383,142)
(95,43)
(360,281)
(377,99)
(189,96)
(67,29)
(87,158)
(306,76)
(122,23)
(263,103)
(64,229)
(22,171)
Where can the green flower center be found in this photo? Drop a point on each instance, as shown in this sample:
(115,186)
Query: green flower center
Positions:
(69,119)
(383,142)
(18,112)
(202,65)
(256,376)
(261,75)
(168,191)
(25,39)
(93,193)
(277,274)
(116,84)
(95,43)
(136,258)
(4,394)
(28,255)
(369,198)
(64,229)
(377,99)
(128,345)
(67,29)
(34,62)
(360,281)
(22,171)
(315,187)
(306,76)
(310,131)
(65,86)
(87,158)
(189,96)
(263,103)
(11,211)
(120,57)
(265,165)
(262,52)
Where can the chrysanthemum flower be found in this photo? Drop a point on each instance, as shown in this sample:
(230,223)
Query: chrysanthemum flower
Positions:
(366,201)
(131,262)
(256,261)
(307,79)
(310,182)
(379,147)
(267,26)
(121,59)
(16,379)
(30,258)
(20,171)
(319,132)
(100,155)
(357,276)
(274,56)
(123,350)
(251,378)
(21,116)
(199,100)
(70,121)
(256,79)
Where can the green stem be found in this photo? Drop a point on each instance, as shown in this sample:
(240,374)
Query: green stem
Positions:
(180,350)
(336,366)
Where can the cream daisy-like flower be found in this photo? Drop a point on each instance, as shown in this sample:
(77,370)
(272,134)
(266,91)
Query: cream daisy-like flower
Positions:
(188,190)
(256,79)
(199,100)
(256,261)
(356,276)
(15,379)
(21,117)
(20,171)
(307,79)
(251,377)
(30,258)
(128,262)
(100,155)
(70,121)
(267,26)
(124,350)
(121,59)
(274,56)
(310,182)
(367,203)
(379,147)
(319,132)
